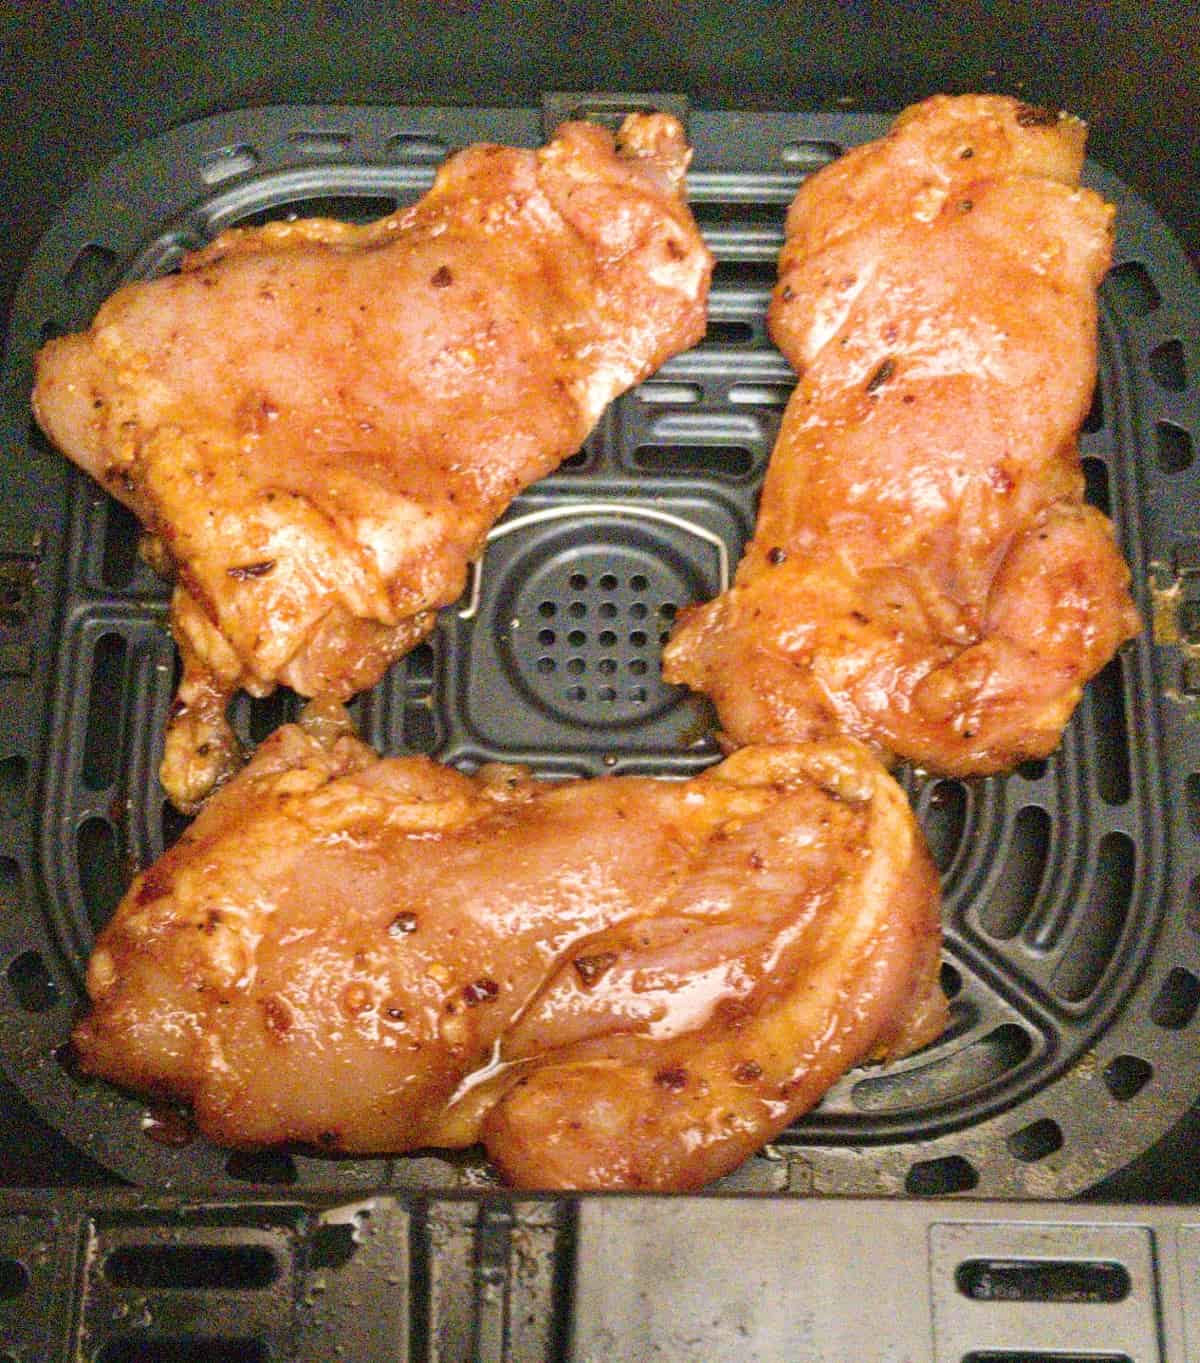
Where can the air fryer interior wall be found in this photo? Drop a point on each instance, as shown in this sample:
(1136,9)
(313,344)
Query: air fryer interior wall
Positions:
(159,68)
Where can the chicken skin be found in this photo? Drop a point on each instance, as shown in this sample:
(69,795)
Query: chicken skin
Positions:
(924,575)
(318,423)
(613,983)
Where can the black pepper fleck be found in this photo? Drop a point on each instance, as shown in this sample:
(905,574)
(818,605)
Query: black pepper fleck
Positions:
(673,1078)
(881,375)
(248,570)
(590,968)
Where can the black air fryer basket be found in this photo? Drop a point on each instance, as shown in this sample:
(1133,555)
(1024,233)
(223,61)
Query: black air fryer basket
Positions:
(1071,887)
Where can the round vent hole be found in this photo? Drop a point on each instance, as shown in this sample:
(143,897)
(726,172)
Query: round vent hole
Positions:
(937,1177)
(14,1278)
(1035,1141)
(31,983)
(951,980)
(1126,1076)
(1177,1000)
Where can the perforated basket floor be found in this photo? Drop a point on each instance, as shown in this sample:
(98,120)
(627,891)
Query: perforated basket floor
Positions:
(1072,898)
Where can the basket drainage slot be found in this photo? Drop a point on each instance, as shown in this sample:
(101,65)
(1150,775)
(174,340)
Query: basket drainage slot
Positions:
(1109,729)
(1016,891)
(186,1349)
(1175,452)
(91,272)
(744,274)
(730,460)
(810,154)
(31,983)
(1036,1141)
(1167,366)
(945,821)
(102,877)
(1095,941)
(14,1279)
(1177,1000)
(353,208)
(937,1177)
(13,771)
(1055,1280)
(1095,484)
(192,1266)
(11,889)
(1126,1076)
(102,741)
(119,559)
(729,333)
(1135,292)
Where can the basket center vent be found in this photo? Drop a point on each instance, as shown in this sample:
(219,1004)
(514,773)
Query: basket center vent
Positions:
(590,630)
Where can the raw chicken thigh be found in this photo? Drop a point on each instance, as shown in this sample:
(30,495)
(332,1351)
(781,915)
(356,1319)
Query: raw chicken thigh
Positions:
(924,574)
(615,983)
(318,423)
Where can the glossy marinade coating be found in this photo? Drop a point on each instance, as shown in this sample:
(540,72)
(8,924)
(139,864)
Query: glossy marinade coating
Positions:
(615,983)
(318,423)
(924,574)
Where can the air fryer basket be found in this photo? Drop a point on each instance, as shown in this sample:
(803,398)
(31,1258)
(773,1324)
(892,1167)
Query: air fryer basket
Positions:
(1072,887)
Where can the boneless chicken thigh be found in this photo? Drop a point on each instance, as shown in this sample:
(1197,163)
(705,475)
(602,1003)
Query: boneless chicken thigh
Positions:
(924,574)
(615,983)
(318,423)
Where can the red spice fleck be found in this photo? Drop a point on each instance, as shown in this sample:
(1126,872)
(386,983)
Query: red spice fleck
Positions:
(674,1078)
(482,990)
(277,1016)
(155,884)
(1000,479)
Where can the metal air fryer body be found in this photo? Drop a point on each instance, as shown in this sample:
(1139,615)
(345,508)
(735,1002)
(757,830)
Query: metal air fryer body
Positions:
(1072,914)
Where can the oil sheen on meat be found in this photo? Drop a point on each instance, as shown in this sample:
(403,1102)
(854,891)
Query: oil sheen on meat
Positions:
(318,423)
(613,983)
(924,574)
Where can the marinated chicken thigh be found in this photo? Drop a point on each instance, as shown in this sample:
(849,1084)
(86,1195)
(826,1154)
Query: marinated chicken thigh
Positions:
(318,423)
(924,574)
(613,983)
